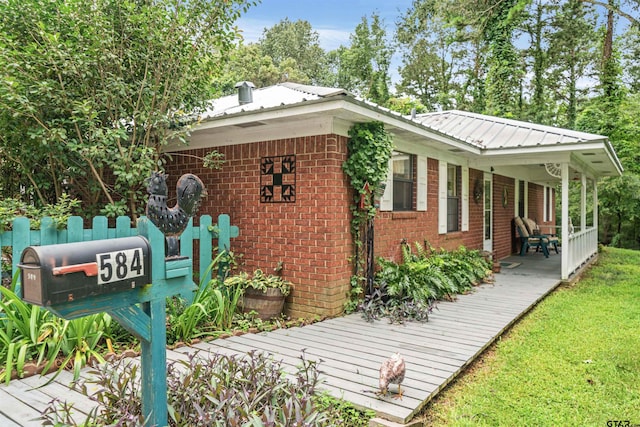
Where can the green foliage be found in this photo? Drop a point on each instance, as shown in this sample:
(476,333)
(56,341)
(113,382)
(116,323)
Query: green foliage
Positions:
(259,281)
(212,309)
(31,333)
(408,290)
(10,209)
(23,333)
(91,92)
(504,69)
(576,352)
(369,150)
(212,390)
(355,294)
(367,60)
(437,62)
(406,106)
(295,44)
(78,341)
(618,197)
(249,63)
(342,413)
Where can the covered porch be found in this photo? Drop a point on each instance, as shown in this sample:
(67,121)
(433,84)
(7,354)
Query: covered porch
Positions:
(567,164)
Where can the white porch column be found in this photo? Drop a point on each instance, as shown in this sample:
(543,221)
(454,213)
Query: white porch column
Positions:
(583,202)
(565,222)
(595,204)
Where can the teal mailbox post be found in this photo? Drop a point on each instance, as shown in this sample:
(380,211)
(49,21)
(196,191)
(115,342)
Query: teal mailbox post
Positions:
(128,277)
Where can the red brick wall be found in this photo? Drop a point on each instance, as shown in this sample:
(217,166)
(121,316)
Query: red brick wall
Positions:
(503,215)
(391,228)
(536,207)
(311,236)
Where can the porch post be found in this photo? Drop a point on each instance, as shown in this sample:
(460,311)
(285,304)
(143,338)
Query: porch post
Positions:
(583,202)
(595,205)
(565,222)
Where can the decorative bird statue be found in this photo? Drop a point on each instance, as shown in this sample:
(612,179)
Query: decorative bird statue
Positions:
(392,372)
(173,221)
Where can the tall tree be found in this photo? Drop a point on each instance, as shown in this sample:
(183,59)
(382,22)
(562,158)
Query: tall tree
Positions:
(572,58)
(435,60)
(536,59)
(371,48)
(630,47)
(505,70)
(363,66)
(90,92)
(247,63)
(295,41)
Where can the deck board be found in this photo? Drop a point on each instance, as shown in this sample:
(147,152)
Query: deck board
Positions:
(350,350)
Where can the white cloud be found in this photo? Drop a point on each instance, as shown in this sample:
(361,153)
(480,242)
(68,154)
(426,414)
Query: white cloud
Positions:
(329,38)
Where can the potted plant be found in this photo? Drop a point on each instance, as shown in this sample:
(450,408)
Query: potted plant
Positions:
(262,293)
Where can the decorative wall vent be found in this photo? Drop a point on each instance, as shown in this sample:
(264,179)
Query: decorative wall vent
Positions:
(278,179)
(553,169)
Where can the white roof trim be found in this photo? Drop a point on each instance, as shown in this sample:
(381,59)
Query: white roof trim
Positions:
(476,136)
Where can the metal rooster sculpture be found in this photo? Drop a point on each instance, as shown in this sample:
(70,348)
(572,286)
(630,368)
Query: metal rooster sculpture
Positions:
(392,372)
(173,221)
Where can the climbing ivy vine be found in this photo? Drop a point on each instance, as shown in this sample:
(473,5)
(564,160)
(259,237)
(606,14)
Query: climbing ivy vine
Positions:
(369,151)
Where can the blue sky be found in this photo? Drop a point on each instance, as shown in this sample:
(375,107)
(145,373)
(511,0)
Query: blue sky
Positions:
(334,20)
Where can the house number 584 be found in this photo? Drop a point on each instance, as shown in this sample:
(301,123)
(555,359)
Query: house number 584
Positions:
(119,265)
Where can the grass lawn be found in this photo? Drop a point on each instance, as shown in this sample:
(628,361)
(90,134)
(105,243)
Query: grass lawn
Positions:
(573,361)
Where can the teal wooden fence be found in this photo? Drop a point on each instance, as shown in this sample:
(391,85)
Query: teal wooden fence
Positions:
(21,236)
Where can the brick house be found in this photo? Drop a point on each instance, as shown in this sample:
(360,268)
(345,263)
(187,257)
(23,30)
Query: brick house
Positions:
(457,179)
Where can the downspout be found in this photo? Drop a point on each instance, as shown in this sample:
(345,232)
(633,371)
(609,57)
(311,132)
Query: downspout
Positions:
(565,222)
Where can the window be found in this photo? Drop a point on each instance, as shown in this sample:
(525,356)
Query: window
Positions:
(453,199)
(406,186)
(402,167)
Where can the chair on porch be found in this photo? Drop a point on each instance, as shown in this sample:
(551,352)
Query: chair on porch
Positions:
(534,230)
(527,240)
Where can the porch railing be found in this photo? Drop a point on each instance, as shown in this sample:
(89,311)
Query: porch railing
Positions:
(582,246)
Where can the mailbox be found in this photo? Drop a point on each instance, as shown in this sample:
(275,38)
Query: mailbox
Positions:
(58,274)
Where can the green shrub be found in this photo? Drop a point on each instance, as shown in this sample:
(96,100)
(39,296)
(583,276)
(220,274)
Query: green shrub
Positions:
(212,309)
(259,281)
(31,333)
(60,212)
(215,390)
(408,290)
(342,413)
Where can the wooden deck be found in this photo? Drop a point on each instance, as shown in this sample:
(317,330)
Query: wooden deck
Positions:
(352,350)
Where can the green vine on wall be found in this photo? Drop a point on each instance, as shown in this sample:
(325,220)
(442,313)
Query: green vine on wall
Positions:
(369,150)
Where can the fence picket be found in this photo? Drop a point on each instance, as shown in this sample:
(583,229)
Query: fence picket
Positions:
(186,240)
(100,228)
(206,248)
(20,236)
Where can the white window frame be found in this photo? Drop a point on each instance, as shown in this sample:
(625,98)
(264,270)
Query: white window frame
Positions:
(386,201)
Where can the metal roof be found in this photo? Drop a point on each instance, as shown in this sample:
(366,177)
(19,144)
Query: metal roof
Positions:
(484,140)
(272,96)
(489,132)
